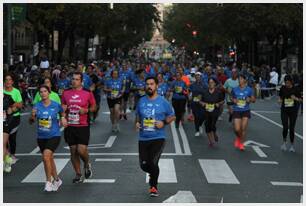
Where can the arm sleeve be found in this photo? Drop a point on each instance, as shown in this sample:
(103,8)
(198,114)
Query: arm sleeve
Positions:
(92,100)
(60,108)
(18,97)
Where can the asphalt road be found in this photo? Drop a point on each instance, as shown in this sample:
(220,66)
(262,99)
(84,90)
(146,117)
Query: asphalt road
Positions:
(190,170)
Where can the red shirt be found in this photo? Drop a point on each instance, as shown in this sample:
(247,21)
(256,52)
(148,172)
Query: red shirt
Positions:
(222,78)
(75,100)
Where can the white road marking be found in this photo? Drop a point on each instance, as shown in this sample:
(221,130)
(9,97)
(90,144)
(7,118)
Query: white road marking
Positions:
(35,150)
(99,181)
(264,162)
(38,174)
(181,197)
(167,172)
(108,160)
(259,152)
(98,154)
(301,200)
(218,172)
(185,141)
(275,123)
(250,142)
(294,184)
(110,141)
(108,144)
(176,141)
(268,112)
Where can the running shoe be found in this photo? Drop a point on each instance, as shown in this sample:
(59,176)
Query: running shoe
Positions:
(197,134)
(117,128)
(88,171)
(120,116)
(190,117)
(125,117)
(211,144)
(49,187)
(241,147)
(78,179)
(201,130)
(153,192)
(216,137)
(14,159)
(113,128)
(9,160)
(284,147)
(7,168)
(57,184)
(291,148)
(237,142)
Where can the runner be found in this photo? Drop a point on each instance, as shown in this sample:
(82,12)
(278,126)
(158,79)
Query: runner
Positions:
(163,87)
(17,106)
(196,90)
(153,113)
(8,103)
(48,134)
(77,102)
(180,91)
(229,85)
(63,83)
(138,85)
(53,95)
(125,74)
(212,100)
(242,96)
(289,97)
(114,88)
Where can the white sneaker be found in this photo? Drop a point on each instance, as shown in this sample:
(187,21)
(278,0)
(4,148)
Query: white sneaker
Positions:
(197,134)
(201,130)
(7,167)
(57,184)
(49,187)
(291,148)
(284,147)
(14,159)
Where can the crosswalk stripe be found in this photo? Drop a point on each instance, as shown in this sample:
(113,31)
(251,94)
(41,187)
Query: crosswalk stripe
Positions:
(99,181)
(167,172)
(294,184)
(38,174)
(218,172)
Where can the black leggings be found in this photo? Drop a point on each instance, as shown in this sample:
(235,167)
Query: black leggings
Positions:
(149,154)
(290,115)
(198,118)
(179,106)
(210,121)
(14,124)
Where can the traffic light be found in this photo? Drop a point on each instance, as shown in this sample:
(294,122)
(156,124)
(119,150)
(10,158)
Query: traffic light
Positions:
(194,33)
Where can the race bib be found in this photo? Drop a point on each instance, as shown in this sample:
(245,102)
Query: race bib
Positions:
(289,102)
(4,115)
(197,98)
(115,93)
(142,93)
(241,103)
(210,107)
(73,118)
(45,124)
(178,89)
(149,124)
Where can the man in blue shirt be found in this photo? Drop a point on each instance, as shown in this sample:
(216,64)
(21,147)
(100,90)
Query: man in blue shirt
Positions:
(153,113)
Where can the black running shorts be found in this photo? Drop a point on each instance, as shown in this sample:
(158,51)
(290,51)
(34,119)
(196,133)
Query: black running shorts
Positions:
(111,102)
(50,144)
(240,115)
(77,135)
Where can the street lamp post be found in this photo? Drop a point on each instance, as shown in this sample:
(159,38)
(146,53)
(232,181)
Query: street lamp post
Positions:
(9,34)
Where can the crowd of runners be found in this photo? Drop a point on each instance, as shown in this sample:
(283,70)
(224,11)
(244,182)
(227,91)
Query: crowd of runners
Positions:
(69,96)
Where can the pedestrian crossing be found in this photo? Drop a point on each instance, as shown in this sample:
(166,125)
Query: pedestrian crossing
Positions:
(215,171)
